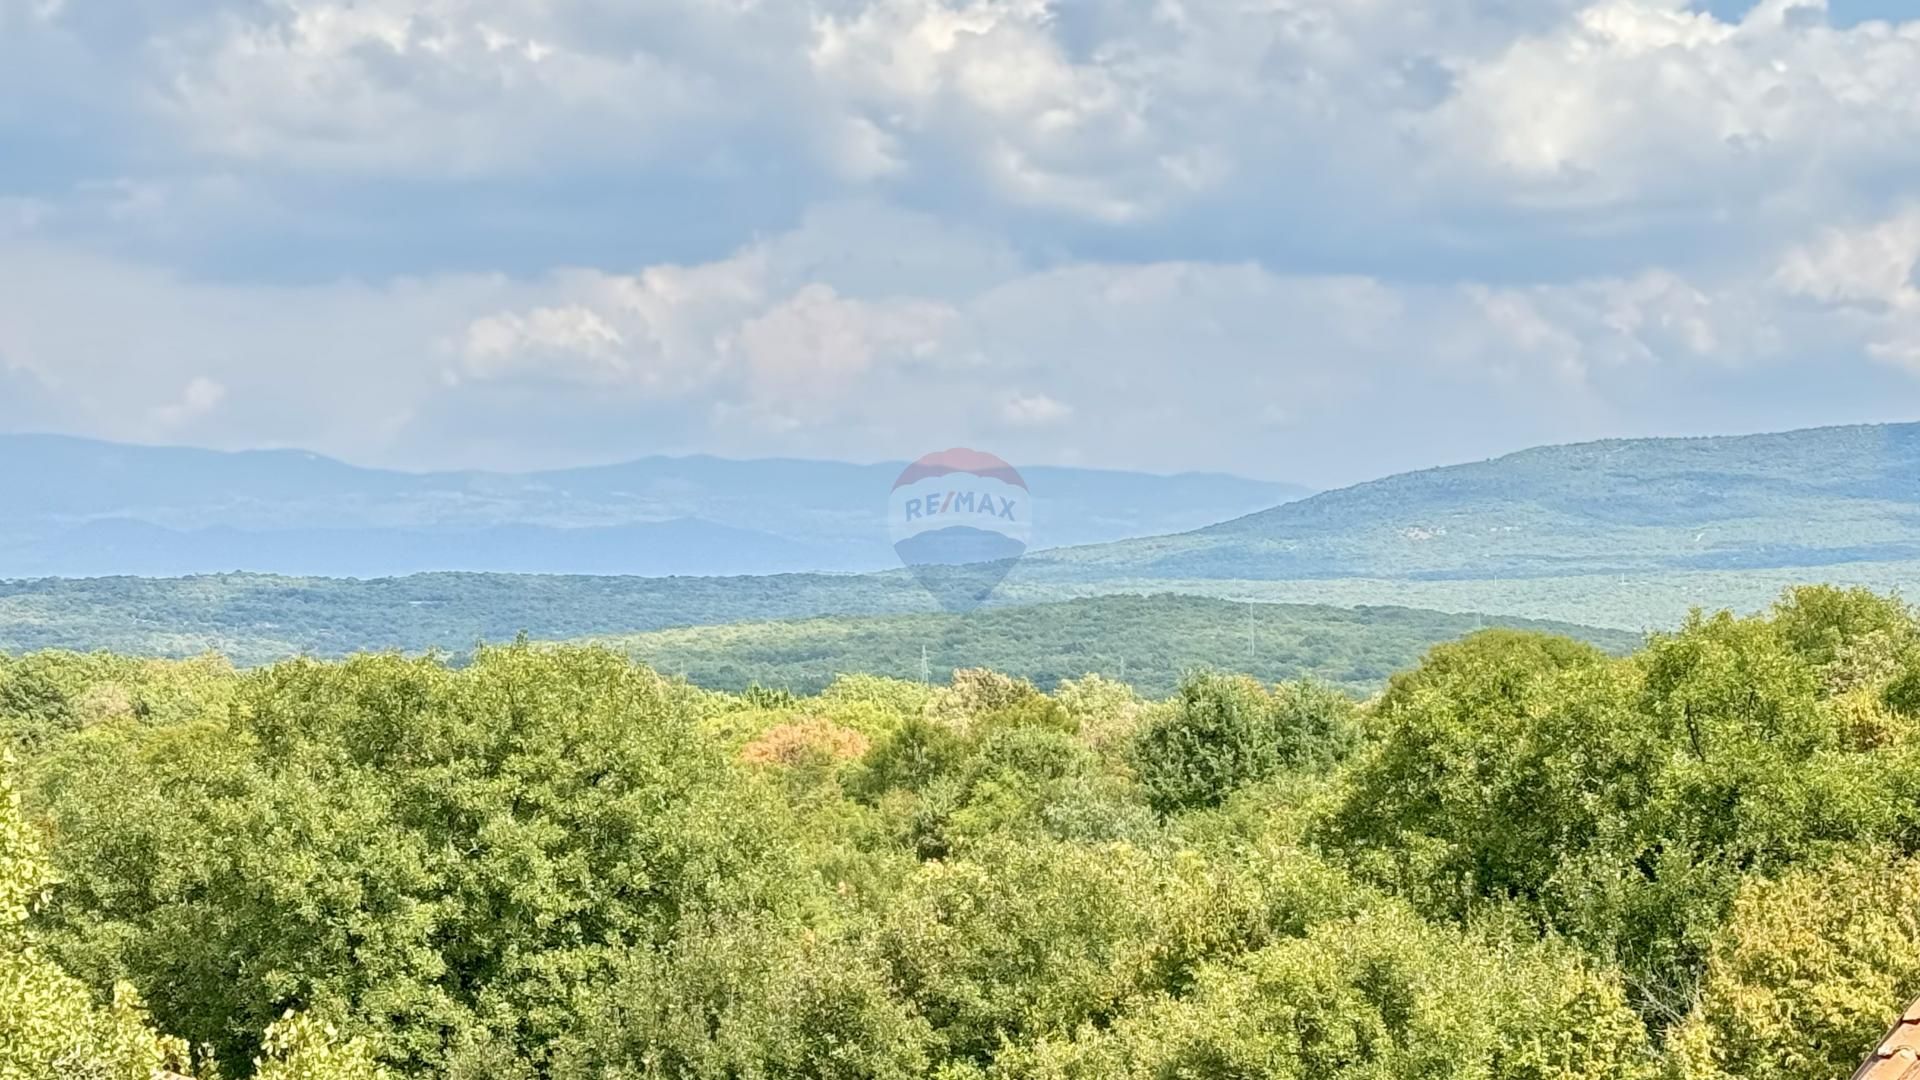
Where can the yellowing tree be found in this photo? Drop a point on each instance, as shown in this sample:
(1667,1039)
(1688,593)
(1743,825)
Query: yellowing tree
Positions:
(1808,973)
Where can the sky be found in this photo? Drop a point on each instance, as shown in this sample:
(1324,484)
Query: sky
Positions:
(1307,240)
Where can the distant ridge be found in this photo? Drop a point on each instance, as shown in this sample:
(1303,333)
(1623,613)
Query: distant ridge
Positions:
(81,508)
(1809,498)
(779,631)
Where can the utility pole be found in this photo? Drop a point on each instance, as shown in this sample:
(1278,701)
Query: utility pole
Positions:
(926,672)
(1251,647)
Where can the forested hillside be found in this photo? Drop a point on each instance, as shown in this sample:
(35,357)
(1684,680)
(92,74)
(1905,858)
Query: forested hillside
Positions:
(252,619)
(1146,641)
(1632,506)
(1527,859)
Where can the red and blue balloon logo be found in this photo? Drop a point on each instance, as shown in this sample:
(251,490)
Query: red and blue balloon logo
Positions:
(959,519)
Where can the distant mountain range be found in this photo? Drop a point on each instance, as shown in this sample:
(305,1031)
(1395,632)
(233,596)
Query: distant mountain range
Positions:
(81,508)
(1625,534)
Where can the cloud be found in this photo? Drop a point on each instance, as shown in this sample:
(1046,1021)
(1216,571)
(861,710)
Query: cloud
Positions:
(771,350)
(1651,105)
(200,397)
(1105,114)
(1863,278)
(1034,410)
(817,354)
(570,342)
(1173,234)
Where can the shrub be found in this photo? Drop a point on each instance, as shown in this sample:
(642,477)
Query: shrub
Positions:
(738,995)
(429,856)
(1017,941)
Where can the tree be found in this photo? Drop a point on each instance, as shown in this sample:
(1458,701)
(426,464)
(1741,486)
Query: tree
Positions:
(430,857)
(1619,802)
(1368,998)
(1227,731)
(50,1027)
(1807,972)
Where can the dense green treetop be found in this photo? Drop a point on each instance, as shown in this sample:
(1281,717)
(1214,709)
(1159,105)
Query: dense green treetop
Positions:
(1527,858)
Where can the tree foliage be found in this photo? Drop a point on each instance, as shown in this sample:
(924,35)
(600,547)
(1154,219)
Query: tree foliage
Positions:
(1227,731)
(1527,858)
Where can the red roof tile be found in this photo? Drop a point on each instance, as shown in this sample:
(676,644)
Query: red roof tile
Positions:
(1898,1056)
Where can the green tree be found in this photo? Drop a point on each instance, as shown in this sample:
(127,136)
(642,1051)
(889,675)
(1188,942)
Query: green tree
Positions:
(1621,802)
(741,997)
(1227,731)
(50,1026)
(430,857)
(1019,940)
(1370,998)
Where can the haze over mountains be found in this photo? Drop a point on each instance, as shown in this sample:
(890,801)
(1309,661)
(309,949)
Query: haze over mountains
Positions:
(1622,534)
(81,508)
(1627,533)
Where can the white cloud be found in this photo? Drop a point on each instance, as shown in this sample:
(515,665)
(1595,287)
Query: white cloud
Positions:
(569,342)
(200,397)
(1220,230)
(1864,278)
(465,87)
(1034,410)
(774,351)
(1868,267)
(816,349)
(1648,103)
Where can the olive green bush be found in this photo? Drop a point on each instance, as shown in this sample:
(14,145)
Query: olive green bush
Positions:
(1383,996)
(50,1026)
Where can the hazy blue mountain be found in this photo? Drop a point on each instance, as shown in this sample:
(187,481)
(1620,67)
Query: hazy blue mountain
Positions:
(1811,499)
(77,507)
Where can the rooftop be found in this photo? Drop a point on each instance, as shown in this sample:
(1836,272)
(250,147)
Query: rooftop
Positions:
(1898,1057)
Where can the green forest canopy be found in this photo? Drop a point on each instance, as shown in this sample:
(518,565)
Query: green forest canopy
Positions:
(1526,859)
(765,638)
(1149,642)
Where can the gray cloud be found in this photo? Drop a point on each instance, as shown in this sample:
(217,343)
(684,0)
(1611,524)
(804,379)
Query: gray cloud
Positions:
(1433,130)
(1318,239)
